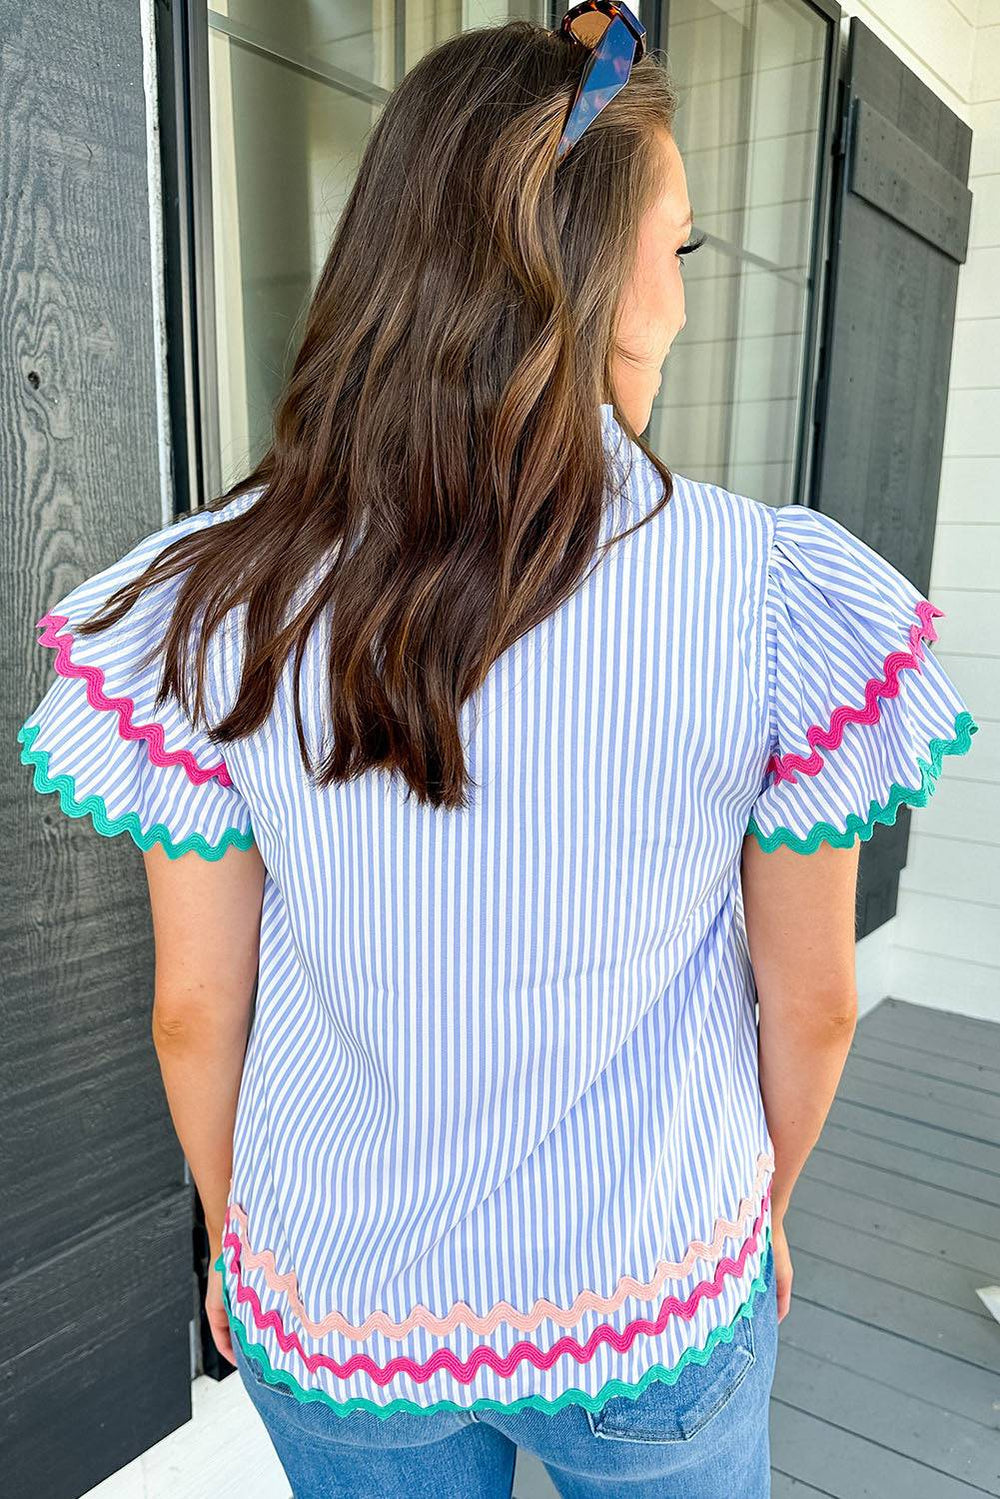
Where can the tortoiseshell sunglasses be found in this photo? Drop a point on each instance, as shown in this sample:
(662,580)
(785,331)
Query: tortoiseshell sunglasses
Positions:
(616,39)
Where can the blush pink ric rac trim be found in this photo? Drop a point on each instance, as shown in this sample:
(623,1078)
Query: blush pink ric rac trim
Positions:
(784,767)
(123,706)
(465,1370)
(461,1314)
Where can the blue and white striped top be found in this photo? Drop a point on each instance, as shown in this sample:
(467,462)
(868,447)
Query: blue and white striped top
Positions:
(500,1138)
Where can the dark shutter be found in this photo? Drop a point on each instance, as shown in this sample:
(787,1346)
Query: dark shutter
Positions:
(96,1284)
(899,234)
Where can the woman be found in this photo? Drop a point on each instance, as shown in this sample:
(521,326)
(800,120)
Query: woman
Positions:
(514,771)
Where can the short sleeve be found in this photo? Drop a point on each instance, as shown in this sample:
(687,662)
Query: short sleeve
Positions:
(97,740)
(862,715)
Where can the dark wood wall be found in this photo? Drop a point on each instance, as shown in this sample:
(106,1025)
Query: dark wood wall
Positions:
(95,1253)
(900,233)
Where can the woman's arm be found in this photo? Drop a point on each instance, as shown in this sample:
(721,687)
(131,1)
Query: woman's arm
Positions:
(800,917)
(206,927)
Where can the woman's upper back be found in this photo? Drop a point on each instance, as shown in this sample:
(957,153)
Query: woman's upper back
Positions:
(611,742)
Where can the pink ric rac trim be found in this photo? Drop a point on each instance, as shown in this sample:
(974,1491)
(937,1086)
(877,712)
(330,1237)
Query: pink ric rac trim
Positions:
(784,767)
(464,1371)
(123,706)
(461,1314)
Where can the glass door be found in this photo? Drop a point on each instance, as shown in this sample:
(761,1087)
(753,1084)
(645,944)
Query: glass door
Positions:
(271,107)
(754,124)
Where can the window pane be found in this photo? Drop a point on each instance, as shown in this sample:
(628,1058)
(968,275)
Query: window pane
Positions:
(294,90)
(280,170)
(748,127)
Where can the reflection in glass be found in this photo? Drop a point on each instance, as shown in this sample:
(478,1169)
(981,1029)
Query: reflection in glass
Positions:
(294,90)
(750,79)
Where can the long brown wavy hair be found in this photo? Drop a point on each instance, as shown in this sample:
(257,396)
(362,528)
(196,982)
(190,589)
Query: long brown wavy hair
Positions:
(440,428)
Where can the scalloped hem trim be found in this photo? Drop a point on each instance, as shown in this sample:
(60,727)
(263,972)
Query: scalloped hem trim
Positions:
(124,707)
(615,1387)
(864,827)
(109,827)
(464,1371)
(461,1314)
(784,767)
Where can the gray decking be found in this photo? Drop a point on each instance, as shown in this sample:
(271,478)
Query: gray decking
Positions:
(888,1376)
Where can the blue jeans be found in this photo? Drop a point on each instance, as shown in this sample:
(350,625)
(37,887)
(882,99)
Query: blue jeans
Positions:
(704,1437)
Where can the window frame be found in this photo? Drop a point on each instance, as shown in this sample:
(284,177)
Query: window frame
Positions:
(182,39)
(189,284)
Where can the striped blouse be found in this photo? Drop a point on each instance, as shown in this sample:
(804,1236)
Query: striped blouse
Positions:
(500,1138)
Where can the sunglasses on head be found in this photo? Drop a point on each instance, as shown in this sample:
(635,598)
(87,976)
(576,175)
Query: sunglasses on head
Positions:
(616,39)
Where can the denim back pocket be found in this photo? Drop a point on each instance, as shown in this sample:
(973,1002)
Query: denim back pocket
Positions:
(679,1411)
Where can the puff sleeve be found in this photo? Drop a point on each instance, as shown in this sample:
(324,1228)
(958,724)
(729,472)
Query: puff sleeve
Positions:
(862,715)
(98,741)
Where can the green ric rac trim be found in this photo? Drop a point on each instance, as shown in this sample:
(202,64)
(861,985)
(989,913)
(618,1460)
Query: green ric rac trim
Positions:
(864,827)
(94,808)
(283,1379)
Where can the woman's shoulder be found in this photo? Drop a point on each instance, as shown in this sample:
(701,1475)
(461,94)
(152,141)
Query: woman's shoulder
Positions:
(92,592)
(726,524)
(790,538)
(728,506)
